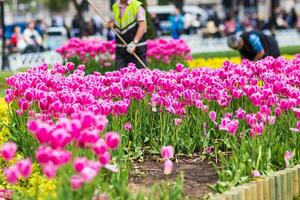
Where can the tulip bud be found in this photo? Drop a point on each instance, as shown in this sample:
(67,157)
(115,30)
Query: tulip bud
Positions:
(50,170)
(112,140)
(24,167)
(177,121)
(76,182)
(88,174)
(8,150)
(70,66)
(104,159)
(167,152)
(213,116)
(79,164)
(100,147)
(255,173)
(127,126)
(11,175)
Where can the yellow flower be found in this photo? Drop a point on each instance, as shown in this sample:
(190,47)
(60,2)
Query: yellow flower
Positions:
(217,62)
(37,185)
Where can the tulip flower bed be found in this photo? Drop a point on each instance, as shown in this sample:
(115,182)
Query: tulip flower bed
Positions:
(217,62)
(244,118)
(99,55)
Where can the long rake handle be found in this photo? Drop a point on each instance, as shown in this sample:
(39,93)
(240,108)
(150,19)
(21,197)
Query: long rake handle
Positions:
(117,34)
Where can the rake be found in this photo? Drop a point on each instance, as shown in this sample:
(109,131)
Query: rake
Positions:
(117,34)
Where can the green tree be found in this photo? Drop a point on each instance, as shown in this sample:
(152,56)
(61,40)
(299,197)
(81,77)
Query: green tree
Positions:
(60,5)
(57,5)
(163,2)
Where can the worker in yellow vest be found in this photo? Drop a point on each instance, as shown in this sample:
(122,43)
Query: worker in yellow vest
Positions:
(130,22)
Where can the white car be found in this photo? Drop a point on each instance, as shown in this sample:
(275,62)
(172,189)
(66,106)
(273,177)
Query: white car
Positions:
(164,11)
(56,36)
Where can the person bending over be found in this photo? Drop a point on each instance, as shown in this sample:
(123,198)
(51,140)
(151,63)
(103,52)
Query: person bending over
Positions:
(254,45)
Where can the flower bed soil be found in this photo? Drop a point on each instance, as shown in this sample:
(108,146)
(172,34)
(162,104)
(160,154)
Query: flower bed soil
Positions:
(197,175)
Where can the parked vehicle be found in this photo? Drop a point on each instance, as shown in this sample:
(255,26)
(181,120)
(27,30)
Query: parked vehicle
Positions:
(55,37)
(163,13)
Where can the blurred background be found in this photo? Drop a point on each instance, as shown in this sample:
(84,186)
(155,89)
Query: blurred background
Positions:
(205,24)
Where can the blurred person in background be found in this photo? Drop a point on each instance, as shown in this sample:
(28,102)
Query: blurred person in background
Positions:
(129,21)
(188,20)
(211,30)
(254,45)
(230,24)
(41,27)
(177,24)
(298,24)
(98,26)
(280,19)
(17,40)
(32,39)
(75,30)
(90,28)
(109,34)
(292,18)
(156,23)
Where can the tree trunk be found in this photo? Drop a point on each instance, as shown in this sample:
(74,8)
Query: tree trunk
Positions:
(79,8)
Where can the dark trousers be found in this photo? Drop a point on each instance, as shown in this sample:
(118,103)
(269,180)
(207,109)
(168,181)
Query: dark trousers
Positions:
(123,58)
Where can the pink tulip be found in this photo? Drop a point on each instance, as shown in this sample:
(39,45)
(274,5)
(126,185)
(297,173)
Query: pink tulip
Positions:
(168,167)
(28,95)
(70,66)
(81,67)
(104,159)
(88,174)
(240,114)
(205,108)
(11,175)
(112,140)
(100,147)
(60,138)
(255,173)
(102,196)
(257,129)
(76,182)
(80,163)
(127,126)
(179,67)
(213,116)
(49,170)
(32,126)
(251,119)
(167,152)
(43,134)
(287,157)
(271,120)
(8,150)
(87,120)
(233,126)
(24,167)
(177,121)
(278,112)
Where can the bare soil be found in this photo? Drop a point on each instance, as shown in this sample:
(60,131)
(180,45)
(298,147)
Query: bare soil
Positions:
(197,175)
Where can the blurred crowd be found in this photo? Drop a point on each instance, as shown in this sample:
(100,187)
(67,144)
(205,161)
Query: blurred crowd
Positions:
(31,37)
(30,40)
(218,27)
(232,23)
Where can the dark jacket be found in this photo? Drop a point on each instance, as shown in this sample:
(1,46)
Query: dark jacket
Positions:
(269,44)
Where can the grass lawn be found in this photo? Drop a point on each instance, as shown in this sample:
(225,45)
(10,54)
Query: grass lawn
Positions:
(284,50)
(3,85)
